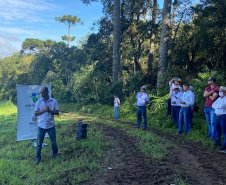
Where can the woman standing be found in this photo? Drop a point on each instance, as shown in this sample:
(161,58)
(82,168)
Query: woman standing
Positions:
(116,106)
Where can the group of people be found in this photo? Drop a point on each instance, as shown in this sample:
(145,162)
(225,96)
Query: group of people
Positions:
(181,105)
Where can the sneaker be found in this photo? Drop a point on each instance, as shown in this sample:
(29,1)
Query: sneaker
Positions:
(37,161)
(144,128)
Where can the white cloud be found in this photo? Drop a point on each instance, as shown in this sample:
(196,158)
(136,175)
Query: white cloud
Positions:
(23,9)
(17,31)
(6,48)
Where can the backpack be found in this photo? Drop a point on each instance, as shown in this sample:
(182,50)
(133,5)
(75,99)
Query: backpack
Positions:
(81,131)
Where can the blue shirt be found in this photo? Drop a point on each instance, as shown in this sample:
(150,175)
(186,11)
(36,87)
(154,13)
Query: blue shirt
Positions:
(142,99)
(46,119)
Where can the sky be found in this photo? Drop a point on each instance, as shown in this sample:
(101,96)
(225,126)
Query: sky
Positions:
(21,19)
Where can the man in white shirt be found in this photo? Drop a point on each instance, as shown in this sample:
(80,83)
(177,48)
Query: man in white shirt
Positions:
(220,110)
(45,109)
(175,103)
(186,103)
(174,82)
(192,110)
(116,106)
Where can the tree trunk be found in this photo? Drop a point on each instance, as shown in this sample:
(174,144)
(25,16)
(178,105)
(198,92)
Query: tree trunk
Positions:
(152,44)
(69,27)
(164,39)
(174,17)
(116,41)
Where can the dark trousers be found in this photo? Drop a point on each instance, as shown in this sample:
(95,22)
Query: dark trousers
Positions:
(40,138)
(220,126)
(141,111)
(168,106)
(176,113)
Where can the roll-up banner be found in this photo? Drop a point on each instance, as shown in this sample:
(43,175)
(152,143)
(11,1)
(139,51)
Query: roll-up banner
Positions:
(27,96)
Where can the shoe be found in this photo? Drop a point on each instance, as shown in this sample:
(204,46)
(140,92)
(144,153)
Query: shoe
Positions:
(217,144)
(222,148)
(55,156)
(144,129)
(37,161)
(177,134)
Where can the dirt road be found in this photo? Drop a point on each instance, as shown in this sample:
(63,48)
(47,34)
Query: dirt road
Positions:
(192,162)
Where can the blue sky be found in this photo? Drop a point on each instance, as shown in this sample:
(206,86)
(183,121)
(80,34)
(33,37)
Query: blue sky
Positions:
(20,19)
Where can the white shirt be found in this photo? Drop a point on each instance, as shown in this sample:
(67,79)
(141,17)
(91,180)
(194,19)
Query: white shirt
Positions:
(179,96)
(116,102)
(171,84)
(188,98)
(220,105)
(46,119)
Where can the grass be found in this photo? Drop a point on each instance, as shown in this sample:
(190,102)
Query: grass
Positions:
(78,162)
(156,119)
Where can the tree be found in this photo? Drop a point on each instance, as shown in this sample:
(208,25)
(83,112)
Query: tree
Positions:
(116,41)
(164,39)
(152,39)
(69,21)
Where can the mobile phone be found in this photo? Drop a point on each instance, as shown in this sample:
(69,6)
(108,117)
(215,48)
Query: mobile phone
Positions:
(176,97)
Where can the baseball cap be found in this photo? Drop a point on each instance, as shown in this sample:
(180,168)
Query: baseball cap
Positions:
(212,79)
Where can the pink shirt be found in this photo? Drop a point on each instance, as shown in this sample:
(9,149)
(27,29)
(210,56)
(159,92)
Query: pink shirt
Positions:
(210,102)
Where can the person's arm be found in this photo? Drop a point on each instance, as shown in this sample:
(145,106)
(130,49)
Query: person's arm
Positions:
(37,113)
(214,97)
(55,110)
(215,105)
(206,93)
(147,99)
(118,102)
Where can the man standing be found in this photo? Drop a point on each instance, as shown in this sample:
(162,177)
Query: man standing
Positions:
(116,106)
(176,96)
(142,101)
(211,94)
(186,102)
(220,109)
(172,83)
(45,109)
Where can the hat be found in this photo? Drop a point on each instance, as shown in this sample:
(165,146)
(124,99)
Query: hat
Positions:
(143,87)
(223,88)
(191,88)
(176,78)
(212,79)
(176,87)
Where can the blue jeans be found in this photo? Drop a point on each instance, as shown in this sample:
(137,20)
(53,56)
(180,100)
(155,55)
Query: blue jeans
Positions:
(116,112)
(220,125)
(176,112)
(211,120)
(168,106)
(184,117)
(190,126)
(40,138)
(141,111)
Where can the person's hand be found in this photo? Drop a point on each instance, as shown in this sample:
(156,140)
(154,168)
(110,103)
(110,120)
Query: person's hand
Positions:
(181,102)
(46,108)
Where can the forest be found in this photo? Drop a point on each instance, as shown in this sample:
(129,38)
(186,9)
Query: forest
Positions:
(137,43)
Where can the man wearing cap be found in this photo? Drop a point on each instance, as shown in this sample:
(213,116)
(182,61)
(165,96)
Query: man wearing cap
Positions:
(175,103)
(211,94)
(192,110)
(142,101)
(172,83)
(186,102)
(220,110)
(116,106)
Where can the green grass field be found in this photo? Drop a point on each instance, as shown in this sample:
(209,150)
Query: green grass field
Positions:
(78,161)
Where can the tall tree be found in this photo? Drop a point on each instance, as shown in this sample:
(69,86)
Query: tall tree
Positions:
(175,3)
(116,41)
(152,39)
(69,21)
(164,39)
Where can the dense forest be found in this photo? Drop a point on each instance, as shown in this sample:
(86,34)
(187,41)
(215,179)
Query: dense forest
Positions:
(137,43)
